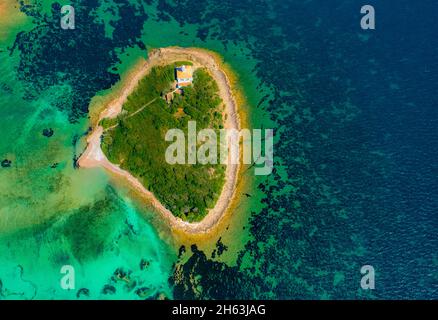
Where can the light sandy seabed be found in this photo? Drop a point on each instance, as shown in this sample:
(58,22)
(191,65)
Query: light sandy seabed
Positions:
(94,157)
(10,16)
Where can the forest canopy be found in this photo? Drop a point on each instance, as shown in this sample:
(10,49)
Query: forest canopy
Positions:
(136,140)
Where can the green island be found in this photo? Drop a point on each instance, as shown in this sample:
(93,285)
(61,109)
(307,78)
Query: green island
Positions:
(135,140)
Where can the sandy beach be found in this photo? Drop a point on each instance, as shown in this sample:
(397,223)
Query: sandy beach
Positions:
(94,157)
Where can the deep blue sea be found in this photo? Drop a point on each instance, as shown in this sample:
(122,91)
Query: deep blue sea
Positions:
(357,112)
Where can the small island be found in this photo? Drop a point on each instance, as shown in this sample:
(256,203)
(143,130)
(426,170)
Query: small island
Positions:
(135,139)
(174,86)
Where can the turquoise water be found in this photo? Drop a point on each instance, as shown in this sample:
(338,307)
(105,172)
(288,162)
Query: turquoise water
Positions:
(53,214)
(96,241)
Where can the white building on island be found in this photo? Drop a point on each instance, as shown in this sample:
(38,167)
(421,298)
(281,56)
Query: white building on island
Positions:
(184,76)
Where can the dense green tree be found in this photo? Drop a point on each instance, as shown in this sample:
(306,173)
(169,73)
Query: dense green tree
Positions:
(137,141)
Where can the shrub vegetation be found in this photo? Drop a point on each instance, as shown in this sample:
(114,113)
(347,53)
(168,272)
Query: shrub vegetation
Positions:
(136,140)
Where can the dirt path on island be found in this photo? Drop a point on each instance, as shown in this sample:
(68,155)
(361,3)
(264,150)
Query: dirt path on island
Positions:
(94,157)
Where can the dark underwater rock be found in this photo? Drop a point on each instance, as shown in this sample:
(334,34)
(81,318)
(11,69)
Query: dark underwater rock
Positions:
(48,132)
(143,292)
(144,264)
(120,274)
(83,292)
(108,289)
(6,163)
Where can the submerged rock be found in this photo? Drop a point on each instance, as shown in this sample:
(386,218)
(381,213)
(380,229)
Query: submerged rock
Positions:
(121,274)
(83,292)
(48,132)
(108,289)
(144,264)
(143,292)
(6,163)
